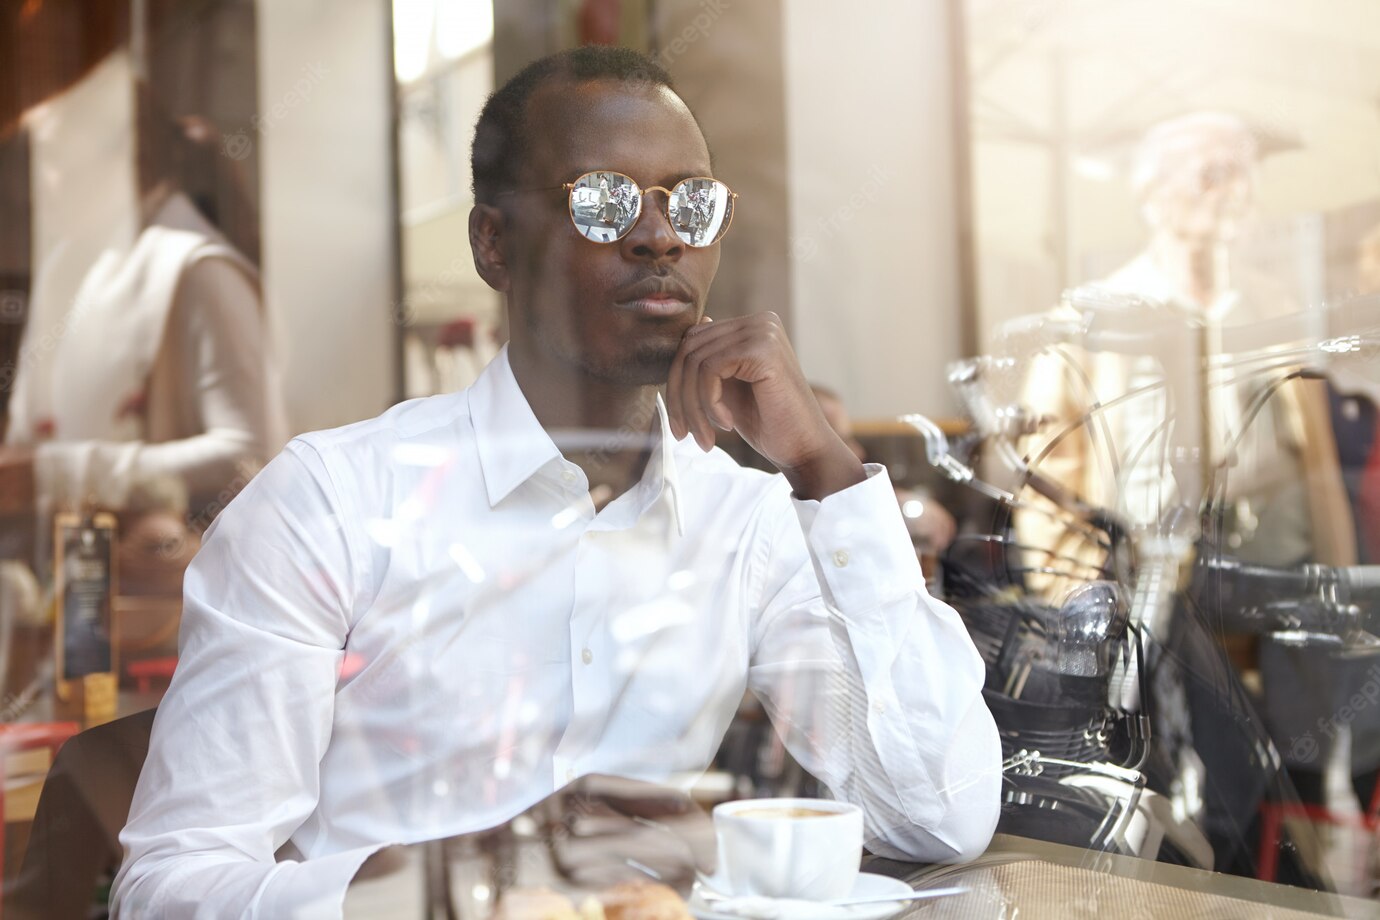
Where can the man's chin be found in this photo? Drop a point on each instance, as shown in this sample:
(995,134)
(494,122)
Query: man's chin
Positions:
(647,366)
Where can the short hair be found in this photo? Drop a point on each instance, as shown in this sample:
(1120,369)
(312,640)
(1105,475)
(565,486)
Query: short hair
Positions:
(1161,150)
(501,137)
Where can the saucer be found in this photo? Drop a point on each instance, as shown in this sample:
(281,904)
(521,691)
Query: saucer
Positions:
(868,885)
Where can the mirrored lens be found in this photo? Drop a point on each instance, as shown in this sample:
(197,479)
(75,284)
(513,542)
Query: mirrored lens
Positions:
(604,205)
(700,211)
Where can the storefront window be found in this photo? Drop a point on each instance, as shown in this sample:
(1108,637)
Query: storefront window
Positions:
(562,458)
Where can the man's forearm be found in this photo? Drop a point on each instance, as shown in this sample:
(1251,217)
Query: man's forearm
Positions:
(902,728)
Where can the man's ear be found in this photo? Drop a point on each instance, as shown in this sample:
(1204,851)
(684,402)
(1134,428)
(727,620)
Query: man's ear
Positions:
(487,244)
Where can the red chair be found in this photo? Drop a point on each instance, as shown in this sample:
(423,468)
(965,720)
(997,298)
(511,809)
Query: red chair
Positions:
(147,670)
(1272,815)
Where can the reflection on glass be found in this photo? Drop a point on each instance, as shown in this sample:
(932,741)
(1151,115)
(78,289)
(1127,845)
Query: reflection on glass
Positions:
(604,205)
(699,210)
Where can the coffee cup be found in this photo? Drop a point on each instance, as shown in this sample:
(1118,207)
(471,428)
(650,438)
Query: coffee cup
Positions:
(789,848)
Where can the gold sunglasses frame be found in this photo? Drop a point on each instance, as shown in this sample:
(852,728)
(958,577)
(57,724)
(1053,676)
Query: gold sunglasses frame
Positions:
(569,187)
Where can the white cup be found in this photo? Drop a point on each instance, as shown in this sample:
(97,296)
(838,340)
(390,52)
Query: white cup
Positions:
(785,848)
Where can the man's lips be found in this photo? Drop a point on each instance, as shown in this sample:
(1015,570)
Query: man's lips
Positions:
(655,297)
(656,306)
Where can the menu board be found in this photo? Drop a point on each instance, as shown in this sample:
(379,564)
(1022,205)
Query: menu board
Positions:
(84,566)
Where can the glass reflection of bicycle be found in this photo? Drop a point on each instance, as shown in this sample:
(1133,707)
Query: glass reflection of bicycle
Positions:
(1138,530)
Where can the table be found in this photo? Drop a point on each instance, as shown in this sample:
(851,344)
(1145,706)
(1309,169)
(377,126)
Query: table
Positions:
(1015,878)
(1036,880)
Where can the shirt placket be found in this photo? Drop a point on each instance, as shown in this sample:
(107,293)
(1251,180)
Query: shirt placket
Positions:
(588,678)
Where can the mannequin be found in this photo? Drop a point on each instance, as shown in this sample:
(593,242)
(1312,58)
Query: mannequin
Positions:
(147,383)
(146,354)
(1195,179)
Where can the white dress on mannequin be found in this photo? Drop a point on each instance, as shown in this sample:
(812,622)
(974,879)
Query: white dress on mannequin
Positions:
(147,353)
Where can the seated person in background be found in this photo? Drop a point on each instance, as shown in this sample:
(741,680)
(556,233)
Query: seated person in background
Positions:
(545,576)
(932,528)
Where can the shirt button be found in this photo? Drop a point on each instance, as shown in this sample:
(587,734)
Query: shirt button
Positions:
(569,774)
(586,656)
(568,475)
(879,707)
(841,558)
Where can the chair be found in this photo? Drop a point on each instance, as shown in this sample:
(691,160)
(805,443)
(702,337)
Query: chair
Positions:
(145,671)
(84,805)
(1272,815)
(16,741)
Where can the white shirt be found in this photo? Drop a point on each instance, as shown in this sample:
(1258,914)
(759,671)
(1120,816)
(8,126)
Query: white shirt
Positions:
(512,639)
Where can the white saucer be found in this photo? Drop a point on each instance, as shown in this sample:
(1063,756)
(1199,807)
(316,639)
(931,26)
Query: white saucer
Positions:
(868,885)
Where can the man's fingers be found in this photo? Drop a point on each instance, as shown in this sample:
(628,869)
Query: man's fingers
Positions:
(711,388)
(711,395)
(687,398)
(680,424)
(711,400)
(715,363)
(697,397)
(683,388)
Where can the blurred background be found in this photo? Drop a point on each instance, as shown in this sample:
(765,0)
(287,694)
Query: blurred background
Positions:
(978,156)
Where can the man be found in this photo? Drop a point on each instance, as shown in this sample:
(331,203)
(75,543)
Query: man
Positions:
(524,614)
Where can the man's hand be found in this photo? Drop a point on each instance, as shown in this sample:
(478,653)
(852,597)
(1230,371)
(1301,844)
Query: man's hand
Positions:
(742,373)
(16,481)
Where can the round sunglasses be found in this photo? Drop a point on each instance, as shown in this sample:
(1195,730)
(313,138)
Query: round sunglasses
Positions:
(606,205)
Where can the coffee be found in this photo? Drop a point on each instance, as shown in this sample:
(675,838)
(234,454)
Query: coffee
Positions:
(788,848)
(784,813)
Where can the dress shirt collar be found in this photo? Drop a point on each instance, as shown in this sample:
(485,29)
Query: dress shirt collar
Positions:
(513,446)
(661,472)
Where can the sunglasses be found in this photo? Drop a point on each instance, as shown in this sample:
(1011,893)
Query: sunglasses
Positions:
(605,206)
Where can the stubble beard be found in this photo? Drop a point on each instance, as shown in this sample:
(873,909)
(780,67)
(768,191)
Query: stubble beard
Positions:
(648,364)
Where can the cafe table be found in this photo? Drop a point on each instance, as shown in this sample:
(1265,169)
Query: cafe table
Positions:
(461,878)
(1037,880)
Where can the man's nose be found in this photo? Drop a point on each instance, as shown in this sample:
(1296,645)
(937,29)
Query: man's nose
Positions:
(652,237)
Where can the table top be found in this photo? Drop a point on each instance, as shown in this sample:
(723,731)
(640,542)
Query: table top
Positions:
(1038,879)
(1015,877)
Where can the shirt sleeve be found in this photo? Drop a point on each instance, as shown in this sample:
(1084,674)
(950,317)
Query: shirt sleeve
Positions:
(232,767)
(218,321)
(875,686)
